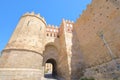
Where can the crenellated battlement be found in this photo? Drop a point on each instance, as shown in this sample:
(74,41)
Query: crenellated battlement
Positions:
(52,31)
(69,25)
(52,26)
(68,21)
(91,50)
(35,15)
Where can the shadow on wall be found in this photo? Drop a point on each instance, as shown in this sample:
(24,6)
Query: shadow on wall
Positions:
(51,70)
(77,60)
(96,54)
(0,53)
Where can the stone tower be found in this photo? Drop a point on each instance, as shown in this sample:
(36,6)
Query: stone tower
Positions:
(75,50)
(32,45)
(23,53)
(29,33)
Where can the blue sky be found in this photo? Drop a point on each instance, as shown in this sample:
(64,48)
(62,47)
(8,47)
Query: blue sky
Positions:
(52,10)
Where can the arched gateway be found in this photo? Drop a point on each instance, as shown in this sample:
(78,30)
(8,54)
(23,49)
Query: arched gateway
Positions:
(51,69)
(36,48)
(50,61)
(33,45)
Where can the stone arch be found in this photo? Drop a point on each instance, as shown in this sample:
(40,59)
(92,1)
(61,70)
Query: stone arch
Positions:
(50,55)
(50,43)
(50,52)
(54,66)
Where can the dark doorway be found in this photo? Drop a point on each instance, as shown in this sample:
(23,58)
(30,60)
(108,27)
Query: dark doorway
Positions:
(50,69)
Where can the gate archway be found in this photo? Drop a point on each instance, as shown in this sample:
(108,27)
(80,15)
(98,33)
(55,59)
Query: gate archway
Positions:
(51,69)
(50,60)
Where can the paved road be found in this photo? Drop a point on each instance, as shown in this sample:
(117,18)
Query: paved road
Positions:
(49,77)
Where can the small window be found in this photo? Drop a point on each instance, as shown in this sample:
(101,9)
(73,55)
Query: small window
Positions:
(100,22)
(47,34)
(68,29)
(51,34)
(57,36)
(117,8)
(100,14)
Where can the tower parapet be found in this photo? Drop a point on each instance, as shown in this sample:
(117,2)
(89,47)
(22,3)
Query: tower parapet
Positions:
(29,33)
(52,31)
(35,15)
(69,25)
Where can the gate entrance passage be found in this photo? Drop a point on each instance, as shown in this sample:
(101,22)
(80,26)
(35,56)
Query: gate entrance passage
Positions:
(50,69)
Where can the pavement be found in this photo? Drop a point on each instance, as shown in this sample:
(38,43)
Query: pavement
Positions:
(49,77)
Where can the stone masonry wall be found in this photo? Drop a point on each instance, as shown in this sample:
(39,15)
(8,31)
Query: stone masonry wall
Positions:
(21,65)
(63,67)
(101,17)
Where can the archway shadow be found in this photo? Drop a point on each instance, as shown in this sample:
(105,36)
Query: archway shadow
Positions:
(53,69)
